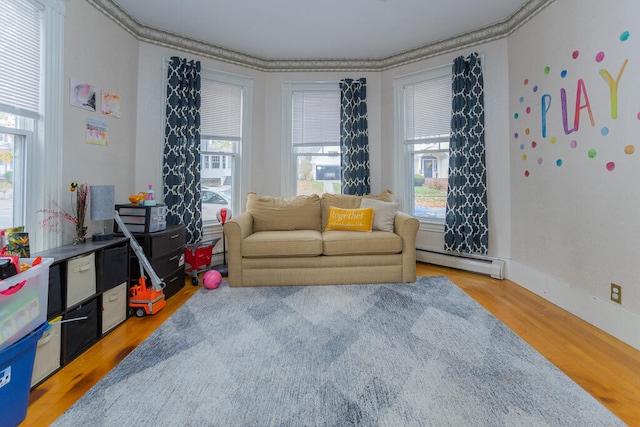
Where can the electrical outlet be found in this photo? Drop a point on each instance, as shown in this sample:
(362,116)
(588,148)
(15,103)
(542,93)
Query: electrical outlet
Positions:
(616,293)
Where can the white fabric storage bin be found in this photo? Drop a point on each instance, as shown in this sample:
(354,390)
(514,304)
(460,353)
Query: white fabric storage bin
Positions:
(114,307)
(47,354)
(81,278)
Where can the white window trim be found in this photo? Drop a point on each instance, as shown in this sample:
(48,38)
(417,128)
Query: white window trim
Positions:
(45,161)
(402,156)
(288,182)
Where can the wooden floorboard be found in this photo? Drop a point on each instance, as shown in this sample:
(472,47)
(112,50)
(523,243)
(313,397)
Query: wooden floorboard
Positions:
(605,367)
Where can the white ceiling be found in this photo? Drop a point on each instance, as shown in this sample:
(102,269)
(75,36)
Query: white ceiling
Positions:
(331,29)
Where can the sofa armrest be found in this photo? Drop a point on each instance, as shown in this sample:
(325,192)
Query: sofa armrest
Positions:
(406,226)
(236,230)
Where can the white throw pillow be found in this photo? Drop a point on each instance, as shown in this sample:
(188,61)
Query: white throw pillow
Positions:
(384,213)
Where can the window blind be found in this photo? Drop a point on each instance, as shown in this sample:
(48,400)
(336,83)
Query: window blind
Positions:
(428,109)
(220,110)
(20,53)
(316,117)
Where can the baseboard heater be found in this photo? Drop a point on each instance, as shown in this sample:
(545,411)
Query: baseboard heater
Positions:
(477,264)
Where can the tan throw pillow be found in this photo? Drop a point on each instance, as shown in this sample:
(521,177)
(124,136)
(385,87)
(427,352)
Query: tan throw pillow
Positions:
(284,213)
(384,213)
(385,196)
(350,219)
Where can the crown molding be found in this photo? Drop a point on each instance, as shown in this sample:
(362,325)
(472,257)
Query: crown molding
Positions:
(163,38)
(57,5)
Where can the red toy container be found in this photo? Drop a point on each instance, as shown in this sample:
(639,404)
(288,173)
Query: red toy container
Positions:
(197,258)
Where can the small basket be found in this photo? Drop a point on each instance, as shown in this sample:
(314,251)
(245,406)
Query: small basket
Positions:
(198,257)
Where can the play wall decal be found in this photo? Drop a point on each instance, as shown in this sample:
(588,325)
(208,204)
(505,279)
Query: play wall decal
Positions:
(554,110)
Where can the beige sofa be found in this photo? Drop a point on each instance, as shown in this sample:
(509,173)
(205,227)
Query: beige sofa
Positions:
(285,241)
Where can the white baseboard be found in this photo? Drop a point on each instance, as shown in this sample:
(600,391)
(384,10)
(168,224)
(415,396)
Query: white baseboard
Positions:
(217,258)
(608,316)
(483,265)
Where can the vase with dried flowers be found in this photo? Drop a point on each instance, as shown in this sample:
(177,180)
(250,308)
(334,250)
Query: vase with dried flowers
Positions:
(54,218)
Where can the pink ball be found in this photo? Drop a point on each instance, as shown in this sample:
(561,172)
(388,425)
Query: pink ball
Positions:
(211,279)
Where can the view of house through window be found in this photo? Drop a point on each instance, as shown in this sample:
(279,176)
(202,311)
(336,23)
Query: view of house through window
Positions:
(424,101)
(216,176)
(12,178)
(221,136)
(21,70)
(314,113)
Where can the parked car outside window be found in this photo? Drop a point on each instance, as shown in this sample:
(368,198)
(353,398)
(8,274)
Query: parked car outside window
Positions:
(213,199)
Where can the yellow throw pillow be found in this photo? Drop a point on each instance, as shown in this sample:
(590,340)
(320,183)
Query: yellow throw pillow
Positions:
(347,201)
(350,219)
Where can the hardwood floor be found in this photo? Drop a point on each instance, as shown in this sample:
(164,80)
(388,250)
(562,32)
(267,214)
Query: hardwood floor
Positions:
(604,366)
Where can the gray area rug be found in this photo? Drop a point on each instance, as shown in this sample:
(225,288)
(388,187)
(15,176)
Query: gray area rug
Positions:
(419,354)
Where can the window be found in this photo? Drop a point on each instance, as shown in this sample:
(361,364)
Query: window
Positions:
(224,133)
(13,141)
(423,116)
(30,89)
(311,163)
(20,103)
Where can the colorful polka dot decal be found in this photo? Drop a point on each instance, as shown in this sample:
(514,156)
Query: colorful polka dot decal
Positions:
(560,94)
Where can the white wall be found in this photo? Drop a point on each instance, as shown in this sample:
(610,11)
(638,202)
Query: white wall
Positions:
(575,225)
(97,51)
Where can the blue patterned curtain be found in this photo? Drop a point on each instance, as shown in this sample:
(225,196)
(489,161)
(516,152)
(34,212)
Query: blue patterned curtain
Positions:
(181,160)
(466,228)
(354,137)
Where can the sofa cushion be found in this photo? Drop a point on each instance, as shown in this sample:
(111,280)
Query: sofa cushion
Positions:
(350,219)
(337,242)
(345,201)
(292,243)
(384,213)
(284,213)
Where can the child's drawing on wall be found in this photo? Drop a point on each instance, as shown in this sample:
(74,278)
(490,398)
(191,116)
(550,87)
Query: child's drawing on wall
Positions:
(110,104)
(82,95)
(96,132)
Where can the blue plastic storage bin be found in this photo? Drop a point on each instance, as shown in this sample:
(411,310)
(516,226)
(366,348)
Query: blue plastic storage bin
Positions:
(16,368)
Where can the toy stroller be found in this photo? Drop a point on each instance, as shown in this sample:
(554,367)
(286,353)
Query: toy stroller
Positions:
(197,259)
